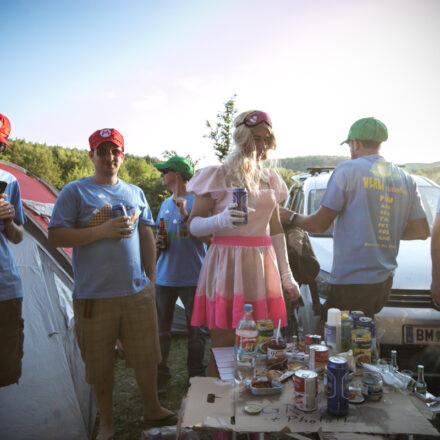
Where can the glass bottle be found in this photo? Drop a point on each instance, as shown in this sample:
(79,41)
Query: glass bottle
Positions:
(420,384)
(162,235)
(393,366)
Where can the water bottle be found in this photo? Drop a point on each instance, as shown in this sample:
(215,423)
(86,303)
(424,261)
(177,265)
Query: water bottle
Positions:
(393,366)
(245,345)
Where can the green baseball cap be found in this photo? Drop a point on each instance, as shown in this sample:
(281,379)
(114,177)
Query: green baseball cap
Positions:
(367,129)
(177,163)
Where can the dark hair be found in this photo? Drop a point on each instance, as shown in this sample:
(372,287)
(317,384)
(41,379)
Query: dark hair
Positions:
(371,145)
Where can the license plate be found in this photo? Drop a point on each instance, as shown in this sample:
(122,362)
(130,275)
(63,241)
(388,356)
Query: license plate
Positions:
(421,335)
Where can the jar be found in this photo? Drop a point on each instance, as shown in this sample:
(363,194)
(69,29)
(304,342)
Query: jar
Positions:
(372,385)
(277,354)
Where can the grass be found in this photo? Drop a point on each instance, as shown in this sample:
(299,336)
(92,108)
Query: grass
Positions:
(127,402)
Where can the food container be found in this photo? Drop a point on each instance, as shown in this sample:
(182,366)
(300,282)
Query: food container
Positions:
(264,387)
(318,357)
(372,385)
(306,390)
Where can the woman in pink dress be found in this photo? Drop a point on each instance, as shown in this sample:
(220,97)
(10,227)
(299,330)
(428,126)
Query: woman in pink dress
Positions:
(244,262)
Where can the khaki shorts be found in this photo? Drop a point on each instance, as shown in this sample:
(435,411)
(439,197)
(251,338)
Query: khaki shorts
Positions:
(132,319)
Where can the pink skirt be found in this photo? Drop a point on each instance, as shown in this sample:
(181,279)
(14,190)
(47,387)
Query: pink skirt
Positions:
(238,270)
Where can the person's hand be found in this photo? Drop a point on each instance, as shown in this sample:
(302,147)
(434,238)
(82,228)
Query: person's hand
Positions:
(230,217)
(291,287)
(7,210)
(435,293)
(180,202)
(285,216)
(118,227)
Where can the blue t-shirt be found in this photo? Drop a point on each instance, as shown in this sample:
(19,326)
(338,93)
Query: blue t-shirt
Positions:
(10,282)
(438,206)
(111,267)
(375,200)
(181,262)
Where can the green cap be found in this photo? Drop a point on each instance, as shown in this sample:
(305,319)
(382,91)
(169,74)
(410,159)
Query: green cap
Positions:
(177,163)
(367,129)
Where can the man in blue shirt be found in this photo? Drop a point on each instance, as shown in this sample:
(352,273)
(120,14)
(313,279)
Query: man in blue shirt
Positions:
(375,204)
(178,267)
(435,256)
(113,265)
(12,218)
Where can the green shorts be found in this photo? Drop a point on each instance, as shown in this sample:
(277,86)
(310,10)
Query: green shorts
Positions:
(131,319)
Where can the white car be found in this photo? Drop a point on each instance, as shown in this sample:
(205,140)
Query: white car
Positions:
(409,323)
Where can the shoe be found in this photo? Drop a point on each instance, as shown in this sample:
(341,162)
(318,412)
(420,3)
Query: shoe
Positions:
(170,420)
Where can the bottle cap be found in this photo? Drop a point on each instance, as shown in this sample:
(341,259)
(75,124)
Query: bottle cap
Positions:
(334,317)
(248,307)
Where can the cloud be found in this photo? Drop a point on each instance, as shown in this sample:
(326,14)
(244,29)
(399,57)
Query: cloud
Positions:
(151,101)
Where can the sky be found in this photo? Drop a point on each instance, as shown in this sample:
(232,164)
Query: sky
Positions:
(158,69)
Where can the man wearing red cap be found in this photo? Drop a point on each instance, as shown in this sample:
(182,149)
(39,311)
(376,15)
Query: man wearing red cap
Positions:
(12,218)
(114,271)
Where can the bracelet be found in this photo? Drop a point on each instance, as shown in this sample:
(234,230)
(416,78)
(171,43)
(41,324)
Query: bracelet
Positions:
(292,216)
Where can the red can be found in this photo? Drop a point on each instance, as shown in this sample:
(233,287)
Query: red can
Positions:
(306,390)
(311,340)
(318,357)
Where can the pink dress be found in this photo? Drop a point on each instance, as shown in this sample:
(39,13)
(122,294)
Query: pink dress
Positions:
(240,266)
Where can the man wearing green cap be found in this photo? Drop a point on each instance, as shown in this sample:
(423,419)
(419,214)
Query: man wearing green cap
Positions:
(178,267)
(375,204)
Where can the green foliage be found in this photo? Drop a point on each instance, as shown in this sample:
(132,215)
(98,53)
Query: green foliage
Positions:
(300,164)
(221,132)
(167,154)
(286,175)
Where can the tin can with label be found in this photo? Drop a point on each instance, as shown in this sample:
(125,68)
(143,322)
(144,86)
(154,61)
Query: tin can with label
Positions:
(361,344)
(306,390)
(118,210)
(318,358)
(240,197)
(311,340)
(368,323)
(265,334)
(356,314)
(337,386)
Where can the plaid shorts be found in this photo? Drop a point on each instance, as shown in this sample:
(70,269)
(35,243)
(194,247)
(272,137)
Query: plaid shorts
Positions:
(132,319)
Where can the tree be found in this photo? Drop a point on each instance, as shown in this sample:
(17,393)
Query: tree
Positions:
(167,154)
(221,132)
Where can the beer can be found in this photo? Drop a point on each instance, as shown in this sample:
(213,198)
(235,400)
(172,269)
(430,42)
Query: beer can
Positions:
(118,210)
(318,357)
(154,434)
(265,333)
(368,323)
(311,340)
(240,197)
(356,314)
(306,390)
(337,386)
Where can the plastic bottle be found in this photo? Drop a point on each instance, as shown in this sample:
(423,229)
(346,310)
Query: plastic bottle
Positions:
(420,386)
(332,331)
(245,345)
(346,328)
(393,366)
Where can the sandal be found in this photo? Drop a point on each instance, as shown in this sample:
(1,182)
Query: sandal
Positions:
(170,420)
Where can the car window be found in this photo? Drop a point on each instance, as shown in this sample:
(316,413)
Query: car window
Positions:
(314,202)
(429,196)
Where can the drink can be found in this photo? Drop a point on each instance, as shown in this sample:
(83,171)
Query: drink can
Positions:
(337,386)
(311,340)
(265,333)
(240,197)
(368,323)
(356,314)
(318,357)
(154,434)
(306,390)
(118,210)
(361,345)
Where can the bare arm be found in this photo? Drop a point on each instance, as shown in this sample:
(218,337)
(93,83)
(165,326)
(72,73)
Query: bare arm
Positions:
(275,223)
(318,222)
(435,256)
(12,231)
(416,230)
(119,227)
(148,251)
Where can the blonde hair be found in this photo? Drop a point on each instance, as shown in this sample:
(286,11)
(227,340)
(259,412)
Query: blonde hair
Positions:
(243,167)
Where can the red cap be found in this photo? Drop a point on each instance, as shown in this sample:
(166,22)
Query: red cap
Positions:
(5,129)
(106,135)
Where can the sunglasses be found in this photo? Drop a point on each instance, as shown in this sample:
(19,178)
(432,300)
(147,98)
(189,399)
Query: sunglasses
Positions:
(103,152)
(166,170)
(256,117)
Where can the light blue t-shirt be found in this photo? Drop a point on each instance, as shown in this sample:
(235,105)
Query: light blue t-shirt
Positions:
(375,200)
(111,267)
(438,206)
(180,263)
(10,282)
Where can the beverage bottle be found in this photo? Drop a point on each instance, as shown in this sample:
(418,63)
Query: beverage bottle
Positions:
(393,366)
(346,328)
(245,345)
(332,330)
(162,235)
(420,386)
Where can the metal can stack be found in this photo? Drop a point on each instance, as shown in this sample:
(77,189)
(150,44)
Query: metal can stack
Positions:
(337,386)
(306,390)
(311,340)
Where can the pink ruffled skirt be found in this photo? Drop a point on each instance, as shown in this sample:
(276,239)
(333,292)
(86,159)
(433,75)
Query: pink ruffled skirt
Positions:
(238,270)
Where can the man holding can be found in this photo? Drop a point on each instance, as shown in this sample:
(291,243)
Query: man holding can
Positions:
(113,265)
(178,267)
(375,204)
(12,218)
